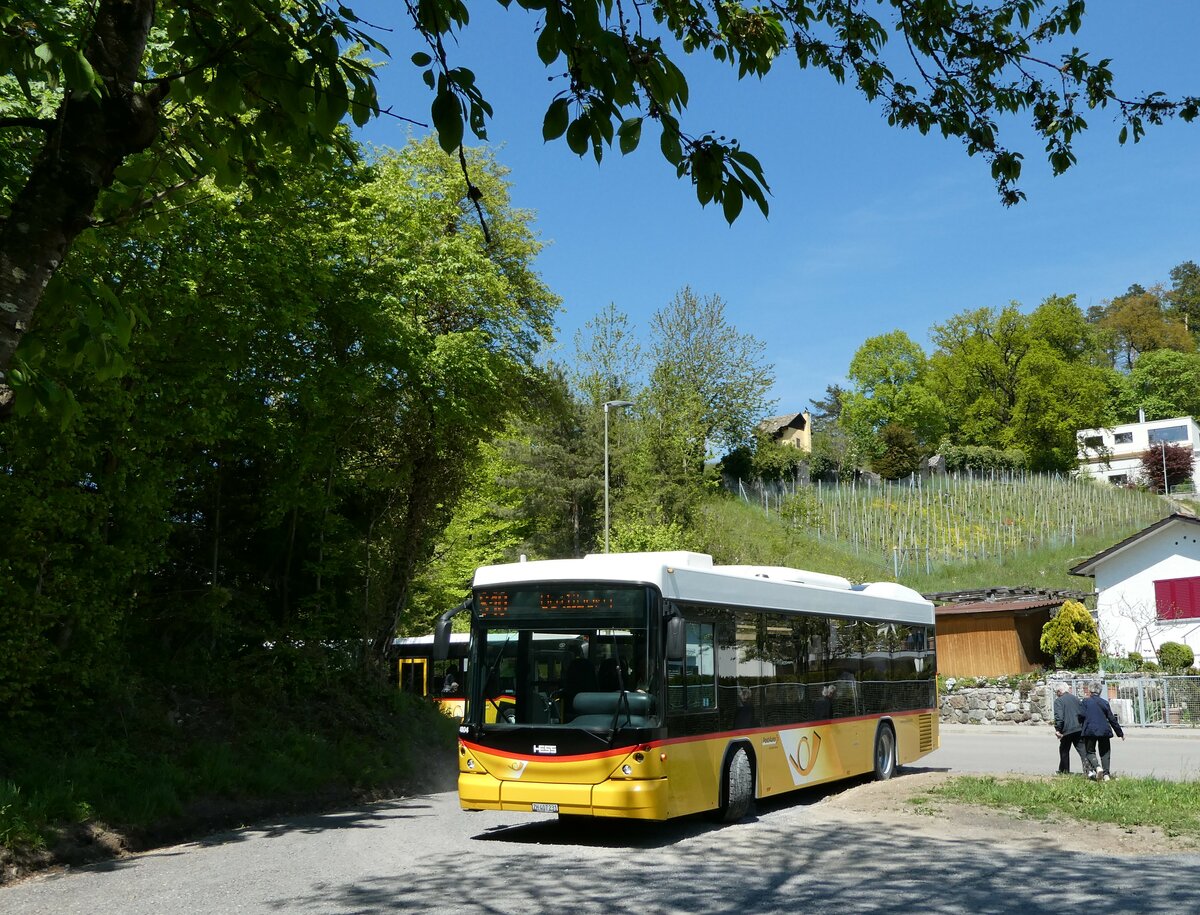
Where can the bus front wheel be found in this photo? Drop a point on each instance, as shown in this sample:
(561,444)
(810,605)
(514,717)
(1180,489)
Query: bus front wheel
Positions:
(739,787)
(885,752)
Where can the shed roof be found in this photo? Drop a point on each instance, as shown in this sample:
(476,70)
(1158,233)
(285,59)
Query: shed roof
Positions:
(1088,566)
(1012,607)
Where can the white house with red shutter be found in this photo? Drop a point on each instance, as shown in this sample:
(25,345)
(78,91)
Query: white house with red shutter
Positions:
(1148,588)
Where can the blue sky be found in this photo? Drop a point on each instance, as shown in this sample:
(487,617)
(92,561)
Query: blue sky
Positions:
(872,229)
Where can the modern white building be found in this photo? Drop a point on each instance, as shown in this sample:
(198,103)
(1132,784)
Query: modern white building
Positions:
(1115,455)
(1148,588)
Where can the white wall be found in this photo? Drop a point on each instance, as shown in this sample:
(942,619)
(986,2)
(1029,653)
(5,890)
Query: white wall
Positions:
(1125,458)
(1125,589)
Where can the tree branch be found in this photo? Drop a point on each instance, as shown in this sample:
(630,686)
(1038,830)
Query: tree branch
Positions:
(32,123)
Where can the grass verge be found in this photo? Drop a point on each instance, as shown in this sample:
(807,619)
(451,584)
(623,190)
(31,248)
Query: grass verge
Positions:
(1173,807)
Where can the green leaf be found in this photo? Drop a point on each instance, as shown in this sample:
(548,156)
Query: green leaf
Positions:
(421,59)
(555,122)
(629,134)
(447,120)
(78,72)
(671,149)
(577,136)
(731,203)
(547,46)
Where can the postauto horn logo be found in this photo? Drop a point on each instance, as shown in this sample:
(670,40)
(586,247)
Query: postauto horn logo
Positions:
(802,752)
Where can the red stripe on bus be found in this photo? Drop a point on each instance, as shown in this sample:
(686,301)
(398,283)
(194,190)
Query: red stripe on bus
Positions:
(618,751)
(691,738)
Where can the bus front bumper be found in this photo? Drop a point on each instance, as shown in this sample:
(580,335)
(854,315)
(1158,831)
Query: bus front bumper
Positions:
(641,799)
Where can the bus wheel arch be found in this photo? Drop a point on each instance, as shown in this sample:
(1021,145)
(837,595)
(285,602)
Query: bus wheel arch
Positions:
(886,751)
(738,778)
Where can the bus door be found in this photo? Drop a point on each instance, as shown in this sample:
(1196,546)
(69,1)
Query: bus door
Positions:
(414,676)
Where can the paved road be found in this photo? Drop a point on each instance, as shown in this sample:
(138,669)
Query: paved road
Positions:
(1167,754)
(424,854)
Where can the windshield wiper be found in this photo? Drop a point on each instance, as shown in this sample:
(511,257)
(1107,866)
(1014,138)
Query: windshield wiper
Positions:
(613,728)
(492,672)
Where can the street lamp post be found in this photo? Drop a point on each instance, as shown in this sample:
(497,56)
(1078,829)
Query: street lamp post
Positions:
(622,404)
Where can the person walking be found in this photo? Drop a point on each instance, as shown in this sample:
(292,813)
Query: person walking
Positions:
(1099,723)
(1068,729)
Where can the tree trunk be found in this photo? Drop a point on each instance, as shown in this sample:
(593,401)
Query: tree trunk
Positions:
(90,136)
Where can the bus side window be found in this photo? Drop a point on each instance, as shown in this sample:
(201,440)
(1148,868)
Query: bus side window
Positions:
(691,685)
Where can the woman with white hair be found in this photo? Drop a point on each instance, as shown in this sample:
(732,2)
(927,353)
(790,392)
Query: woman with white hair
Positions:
(1098,722)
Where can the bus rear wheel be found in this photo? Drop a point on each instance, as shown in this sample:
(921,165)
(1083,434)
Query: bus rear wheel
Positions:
(885,752)
(739,787)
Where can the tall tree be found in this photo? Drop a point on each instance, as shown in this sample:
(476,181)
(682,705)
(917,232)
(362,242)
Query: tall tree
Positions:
(296,424)
(1025,381)
(1184,295)
(607,358)
(110,106)
(833,451)
(699,356)
(1139,322)
(486,527)
(1164,383)
(708,388)
(140,97)
(556,465)
(888,373)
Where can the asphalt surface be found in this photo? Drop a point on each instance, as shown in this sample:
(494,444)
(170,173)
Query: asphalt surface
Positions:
(1033,750)
(796,855)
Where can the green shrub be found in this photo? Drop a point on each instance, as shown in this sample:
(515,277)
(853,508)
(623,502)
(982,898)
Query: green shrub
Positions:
(1071,637)
(1113,665)
(982,459)
(901,453)
(1135,657)
(1150,667)
(1174,656)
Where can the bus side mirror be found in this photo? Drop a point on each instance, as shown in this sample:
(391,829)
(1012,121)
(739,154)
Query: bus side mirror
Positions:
(442,629)
(676,641)
(441,639)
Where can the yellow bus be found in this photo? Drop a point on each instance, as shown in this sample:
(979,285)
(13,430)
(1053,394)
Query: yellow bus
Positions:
(443,680)
(655,685)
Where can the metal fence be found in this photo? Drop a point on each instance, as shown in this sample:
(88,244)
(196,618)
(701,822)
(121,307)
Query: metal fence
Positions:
(1146,701)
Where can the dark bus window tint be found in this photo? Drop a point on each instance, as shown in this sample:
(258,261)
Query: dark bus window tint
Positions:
(737,670)
(691,686)
(846,654)
(784,694)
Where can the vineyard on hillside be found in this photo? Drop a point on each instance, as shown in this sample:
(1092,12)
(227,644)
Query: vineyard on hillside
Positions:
(921,523)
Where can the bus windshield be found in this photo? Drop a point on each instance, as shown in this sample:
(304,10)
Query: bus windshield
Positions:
(563,657)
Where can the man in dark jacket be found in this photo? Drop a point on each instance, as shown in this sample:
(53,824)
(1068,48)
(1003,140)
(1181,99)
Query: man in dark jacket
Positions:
(1067,728)
(1098,722)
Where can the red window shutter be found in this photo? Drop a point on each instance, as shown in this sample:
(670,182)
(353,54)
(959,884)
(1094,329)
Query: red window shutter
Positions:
(1177,598)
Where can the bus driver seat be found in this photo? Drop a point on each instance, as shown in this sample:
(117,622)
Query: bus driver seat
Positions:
(579,678)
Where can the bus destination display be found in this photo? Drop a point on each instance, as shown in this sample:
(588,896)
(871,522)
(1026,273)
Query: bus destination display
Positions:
(536,602)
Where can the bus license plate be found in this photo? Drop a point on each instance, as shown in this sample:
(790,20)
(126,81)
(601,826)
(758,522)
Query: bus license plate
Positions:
(545,808)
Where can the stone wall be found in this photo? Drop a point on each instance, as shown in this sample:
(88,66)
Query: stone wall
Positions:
(998,705)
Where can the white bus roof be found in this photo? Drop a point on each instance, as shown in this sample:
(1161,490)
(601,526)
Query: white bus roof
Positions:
(686,576)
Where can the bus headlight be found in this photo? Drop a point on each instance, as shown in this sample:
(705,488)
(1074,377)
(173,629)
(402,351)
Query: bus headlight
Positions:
(470,763)
(627,769)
